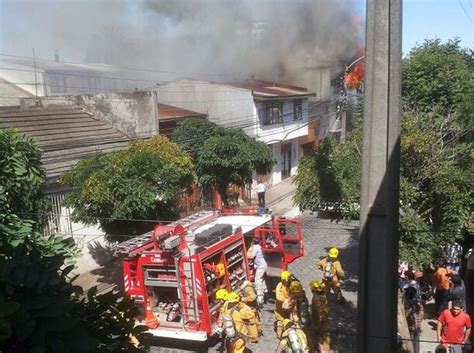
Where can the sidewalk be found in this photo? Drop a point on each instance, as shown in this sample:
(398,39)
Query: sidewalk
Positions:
(429,336)
(280,199)
(109,277)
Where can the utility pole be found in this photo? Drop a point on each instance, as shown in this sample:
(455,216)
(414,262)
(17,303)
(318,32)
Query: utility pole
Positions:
(377,295)
(36,79)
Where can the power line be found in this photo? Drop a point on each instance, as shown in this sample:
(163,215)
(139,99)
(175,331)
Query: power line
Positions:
(146,134)
(465,12)
(113,141)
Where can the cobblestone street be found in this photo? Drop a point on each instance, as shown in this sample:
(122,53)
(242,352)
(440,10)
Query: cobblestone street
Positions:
(320,234)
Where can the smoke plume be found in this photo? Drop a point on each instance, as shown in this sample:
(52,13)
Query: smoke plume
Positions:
(209,39)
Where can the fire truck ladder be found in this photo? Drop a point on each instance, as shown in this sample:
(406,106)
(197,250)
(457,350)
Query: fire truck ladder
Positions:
(137,244)
(194,219)
(189,299)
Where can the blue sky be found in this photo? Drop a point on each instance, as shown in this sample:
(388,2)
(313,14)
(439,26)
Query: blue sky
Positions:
(443,19)
(428,19)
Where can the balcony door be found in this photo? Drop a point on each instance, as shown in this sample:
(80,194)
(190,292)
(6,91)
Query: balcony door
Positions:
(285,160)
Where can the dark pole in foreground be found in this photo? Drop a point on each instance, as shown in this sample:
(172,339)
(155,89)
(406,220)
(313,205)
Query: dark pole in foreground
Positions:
(377,296)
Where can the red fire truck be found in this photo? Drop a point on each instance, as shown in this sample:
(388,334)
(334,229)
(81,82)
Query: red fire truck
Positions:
(174,271)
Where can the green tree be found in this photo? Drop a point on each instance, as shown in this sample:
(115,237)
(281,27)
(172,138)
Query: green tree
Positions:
(143,182)
(191,133)
(330,178)
(436,184)
(39,307)
(222,156)
(436,74)
(230,157)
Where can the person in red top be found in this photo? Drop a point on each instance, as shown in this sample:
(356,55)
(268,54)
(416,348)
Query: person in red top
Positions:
(454,327)
(441,283)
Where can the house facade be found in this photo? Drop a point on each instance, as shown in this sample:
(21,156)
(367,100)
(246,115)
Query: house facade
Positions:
(276,114)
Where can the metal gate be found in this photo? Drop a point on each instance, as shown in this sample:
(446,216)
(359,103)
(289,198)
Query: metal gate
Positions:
(59,217)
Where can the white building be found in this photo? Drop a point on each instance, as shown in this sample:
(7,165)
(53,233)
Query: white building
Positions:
(274,113)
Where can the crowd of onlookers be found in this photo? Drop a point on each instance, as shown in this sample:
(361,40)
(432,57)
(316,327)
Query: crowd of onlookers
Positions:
(446,286)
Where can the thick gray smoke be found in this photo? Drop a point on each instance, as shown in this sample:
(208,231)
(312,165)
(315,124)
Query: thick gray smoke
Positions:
(213,39)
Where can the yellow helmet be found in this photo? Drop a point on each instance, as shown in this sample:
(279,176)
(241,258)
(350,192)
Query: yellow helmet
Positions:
(233,297)
(286,322)
(285,275)
(296,287)
(316,286)
(222,294)
(333,252)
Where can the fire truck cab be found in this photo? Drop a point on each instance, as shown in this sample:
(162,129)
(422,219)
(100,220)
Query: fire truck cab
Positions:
(173,272)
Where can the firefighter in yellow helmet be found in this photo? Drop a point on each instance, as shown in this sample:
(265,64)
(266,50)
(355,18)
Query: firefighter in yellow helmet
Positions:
(249,297)
(300,313)
(300,308)
(237,326)
(332,273)
(293,339)
(320,315)
(284,307)
(221,295)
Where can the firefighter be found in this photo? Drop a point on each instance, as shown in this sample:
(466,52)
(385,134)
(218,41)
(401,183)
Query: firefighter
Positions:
(238,325)
(300,309)
(293,339)
(300,313)
(284,301)
(332,274)
(320,315)
(222,295)
(249,297)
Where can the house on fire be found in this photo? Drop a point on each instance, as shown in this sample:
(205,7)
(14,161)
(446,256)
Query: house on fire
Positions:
(274,113)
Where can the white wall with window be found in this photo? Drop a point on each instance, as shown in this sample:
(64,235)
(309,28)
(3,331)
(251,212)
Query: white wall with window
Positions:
(282,120)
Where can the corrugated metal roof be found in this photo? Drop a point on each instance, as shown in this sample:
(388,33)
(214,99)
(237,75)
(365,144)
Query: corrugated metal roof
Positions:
(50,65)
(170,112)
(267,89)
(64,135)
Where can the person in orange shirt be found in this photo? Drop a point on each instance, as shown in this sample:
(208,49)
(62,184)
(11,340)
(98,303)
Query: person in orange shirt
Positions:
(441,284)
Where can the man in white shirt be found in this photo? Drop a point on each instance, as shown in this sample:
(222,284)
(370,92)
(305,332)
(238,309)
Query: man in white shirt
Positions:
(255,252)
(260,189)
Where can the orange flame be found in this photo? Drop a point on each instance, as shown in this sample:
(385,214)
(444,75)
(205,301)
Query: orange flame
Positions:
(355,75)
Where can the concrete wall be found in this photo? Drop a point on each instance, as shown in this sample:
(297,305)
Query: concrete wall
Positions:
(22,77)
(134,113)
(315,79)
(225,105)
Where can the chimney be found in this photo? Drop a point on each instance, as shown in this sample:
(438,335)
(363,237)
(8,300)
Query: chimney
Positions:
(56,55)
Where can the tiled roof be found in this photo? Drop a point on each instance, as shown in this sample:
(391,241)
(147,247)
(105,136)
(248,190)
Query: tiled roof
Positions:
(64,135)
(169,112)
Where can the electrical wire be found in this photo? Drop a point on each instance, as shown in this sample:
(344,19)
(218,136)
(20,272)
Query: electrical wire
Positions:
(78,143)
(465,12)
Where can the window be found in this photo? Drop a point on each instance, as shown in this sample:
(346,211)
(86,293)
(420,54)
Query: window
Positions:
(298,109)
(272,113)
